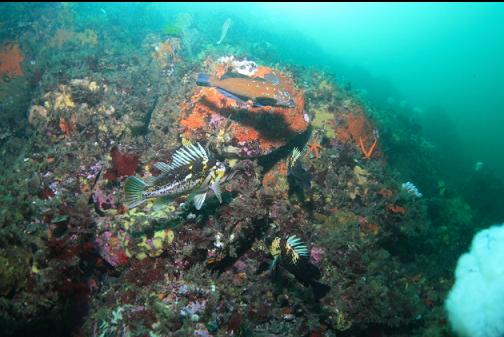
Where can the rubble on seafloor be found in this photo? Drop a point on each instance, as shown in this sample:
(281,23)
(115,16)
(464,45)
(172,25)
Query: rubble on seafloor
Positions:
(70,241)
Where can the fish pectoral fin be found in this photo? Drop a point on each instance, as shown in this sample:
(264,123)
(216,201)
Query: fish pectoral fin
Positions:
(160,202)
(199,199)
(230,95)
(215,187)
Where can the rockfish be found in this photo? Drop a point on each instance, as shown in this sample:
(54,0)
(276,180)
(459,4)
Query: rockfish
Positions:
(191,171)
(262,92)
(294,256)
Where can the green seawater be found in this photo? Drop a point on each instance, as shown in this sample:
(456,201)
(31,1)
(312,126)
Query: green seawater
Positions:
(441,63)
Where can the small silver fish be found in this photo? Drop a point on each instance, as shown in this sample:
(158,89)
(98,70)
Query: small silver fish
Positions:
(191,171)
(224,30)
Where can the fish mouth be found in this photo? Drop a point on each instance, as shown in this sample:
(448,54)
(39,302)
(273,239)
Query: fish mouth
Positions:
(288,104)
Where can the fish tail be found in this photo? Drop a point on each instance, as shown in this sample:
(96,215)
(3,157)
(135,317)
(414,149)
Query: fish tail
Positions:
(203,80)
(134,191)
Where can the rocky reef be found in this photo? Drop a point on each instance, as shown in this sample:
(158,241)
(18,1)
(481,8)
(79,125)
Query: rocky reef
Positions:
(103,106)
(237,130)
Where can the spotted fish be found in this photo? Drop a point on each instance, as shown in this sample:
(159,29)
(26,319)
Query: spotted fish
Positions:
(262,92)
(191,171)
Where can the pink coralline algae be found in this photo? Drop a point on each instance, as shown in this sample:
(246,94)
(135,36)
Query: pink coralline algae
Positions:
(316,255)
(101,200)
(193,308)
(216,120)
(201,331)
(111,250)
(240,266)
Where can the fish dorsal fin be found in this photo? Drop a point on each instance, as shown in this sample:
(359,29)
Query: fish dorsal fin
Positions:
(231,74)
(296,153)
(296,249)
(188,154)
(163,167)
(151,181)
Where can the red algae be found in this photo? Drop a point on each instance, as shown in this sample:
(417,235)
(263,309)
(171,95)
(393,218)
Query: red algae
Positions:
(11,58)
(122,164)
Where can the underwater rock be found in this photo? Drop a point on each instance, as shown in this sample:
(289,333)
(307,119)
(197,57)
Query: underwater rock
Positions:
(276,179)
(358,186)
(14,269)
(37,115)
(59,100)
(11,58)
(66,126)
(148,271)
(64,36)
(111,248)
(86,91)
(166,53)
(154,246)
(242,130)
(61,37)
(243,67)
(88,36)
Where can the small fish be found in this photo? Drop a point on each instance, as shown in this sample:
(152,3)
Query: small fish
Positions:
(191,171)
(294,256)
(224,30)
(262,92)
(298,177)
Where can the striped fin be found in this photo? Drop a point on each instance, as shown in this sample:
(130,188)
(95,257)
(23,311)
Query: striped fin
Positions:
(187,154)
(150,181)
(296,248)
(297,245)
(296,153)
(215,187)
(163,167)
(133,190)
(199,199)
